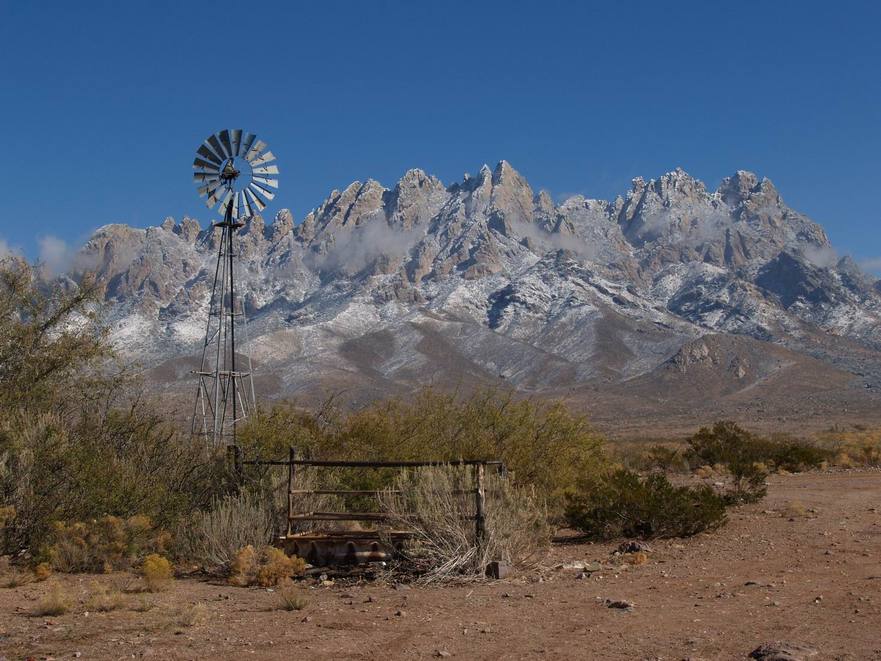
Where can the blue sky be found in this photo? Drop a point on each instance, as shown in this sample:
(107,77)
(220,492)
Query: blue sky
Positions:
(103,104)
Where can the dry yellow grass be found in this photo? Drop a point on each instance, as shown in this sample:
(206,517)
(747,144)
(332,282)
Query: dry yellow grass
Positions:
(290,599)
(55,602)
(104,598)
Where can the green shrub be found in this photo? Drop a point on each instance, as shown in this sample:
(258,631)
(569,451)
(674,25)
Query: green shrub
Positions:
(543,444)
(729,444)
(623,504)
(749,457)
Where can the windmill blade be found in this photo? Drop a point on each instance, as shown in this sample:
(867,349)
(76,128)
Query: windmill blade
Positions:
(269,182)
(215,144)
(209,155)
(205,176)
(215,196)
(266,158)
(256,149)
(208,189)
(224,140)
(226,200)
(257,188)
(235,206)
(236,141)
(244,207)
(255,201)
(246,143)
(267,169)
(200,163)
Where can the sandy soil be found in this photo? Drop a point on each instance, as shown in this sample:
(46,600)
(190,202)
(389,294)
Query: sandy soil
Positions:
(802,566)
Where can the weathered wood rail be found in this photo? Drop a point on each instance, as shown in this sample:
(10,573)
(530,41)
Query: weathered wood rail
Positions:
(293,462)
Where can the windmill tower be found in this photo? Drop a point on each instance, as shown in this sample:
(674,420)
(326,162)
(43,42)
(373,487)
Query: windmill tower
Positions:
(233,172)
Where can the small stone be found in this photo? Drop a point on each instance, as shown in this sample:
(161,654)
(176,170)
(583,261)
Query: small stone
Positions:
(620,604)
(400,613)
(782,651)
(497,570)
(443,654)
(633,547)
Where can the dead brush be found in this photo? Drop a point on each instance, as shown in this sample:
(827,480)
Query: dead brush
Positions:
(212,538)
(437,505)
(290,598)
(192,616)
(17,578)
(267,567)
(55,602)
(104,598)
(104,544)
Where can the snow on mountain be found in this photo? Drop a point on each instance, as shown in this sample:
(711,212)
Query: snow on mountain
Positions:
(486,280)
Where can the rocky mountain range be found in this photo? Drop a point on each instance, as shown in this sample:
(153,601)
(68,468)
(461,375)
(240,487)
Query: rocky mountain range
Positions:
(671,302)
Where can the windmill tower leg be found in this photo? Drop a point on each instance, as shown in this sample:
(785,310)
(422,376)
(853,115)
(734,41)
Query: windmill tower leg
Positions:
(225,395)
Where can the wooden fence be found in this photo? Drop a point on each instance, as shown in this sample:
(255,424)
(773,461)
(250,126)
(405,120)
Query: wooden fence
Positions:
(477,466)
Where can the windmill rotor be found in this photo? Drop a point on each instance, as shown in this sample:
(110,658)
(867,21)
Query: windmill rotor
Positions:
(232,167)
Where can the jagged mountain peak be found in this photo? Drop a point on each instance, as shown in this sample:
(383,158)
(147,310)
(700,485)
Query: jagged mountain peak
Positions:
(494,278)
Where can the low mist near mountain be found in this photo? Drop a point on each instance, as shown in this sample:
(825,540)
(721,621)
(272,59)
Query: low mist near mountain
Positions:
(670,302)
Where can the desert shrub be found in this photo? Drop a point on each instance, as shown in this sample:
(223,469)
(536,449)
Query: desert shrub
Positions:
(104,598)
(729,444)
(103,545)
(290,599)
(42,571)
(543,444)
(624,504)
(54,603)
(645,456)
(438,506)
(211,538)
(193,616)
(157,572)
(77,438)
(267,567)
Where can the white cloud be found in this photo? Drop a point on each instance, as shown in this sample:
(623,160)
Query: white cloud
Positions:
(871,264)
(355,248)
(55,254)
(821,256)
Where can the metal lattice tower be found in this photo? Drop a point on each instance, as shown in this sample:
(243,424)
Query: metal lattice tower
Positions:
(233,173)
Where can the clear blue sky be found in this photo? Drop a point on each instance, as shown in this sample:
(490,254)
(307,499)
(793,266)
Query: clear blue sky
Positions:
(103,104)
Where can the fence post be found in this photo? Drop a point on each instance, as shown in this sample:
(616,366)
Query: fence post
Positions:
(480,507)
(292,474)
(234,453)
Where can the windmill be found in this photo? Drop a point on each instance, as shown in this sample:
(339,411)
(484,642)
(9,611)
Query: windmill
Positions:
(234,174)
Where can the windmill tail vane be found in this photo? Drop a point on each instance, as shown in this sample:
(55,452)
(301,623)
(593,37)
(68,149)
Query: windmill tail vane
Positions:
(234,172)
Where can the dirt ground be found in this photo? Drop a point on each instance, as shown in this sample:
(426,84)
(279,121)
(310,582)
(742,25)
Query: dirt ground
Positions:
(802,566)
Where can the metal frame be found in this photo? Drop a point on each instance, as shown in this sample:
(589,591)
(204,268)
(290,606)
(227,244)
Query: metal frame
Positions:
(225,395)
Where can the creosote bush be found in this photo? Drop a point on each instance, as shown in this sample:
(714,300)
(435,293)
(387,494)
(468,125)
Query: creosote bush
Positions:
(543,444)
(624,504)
